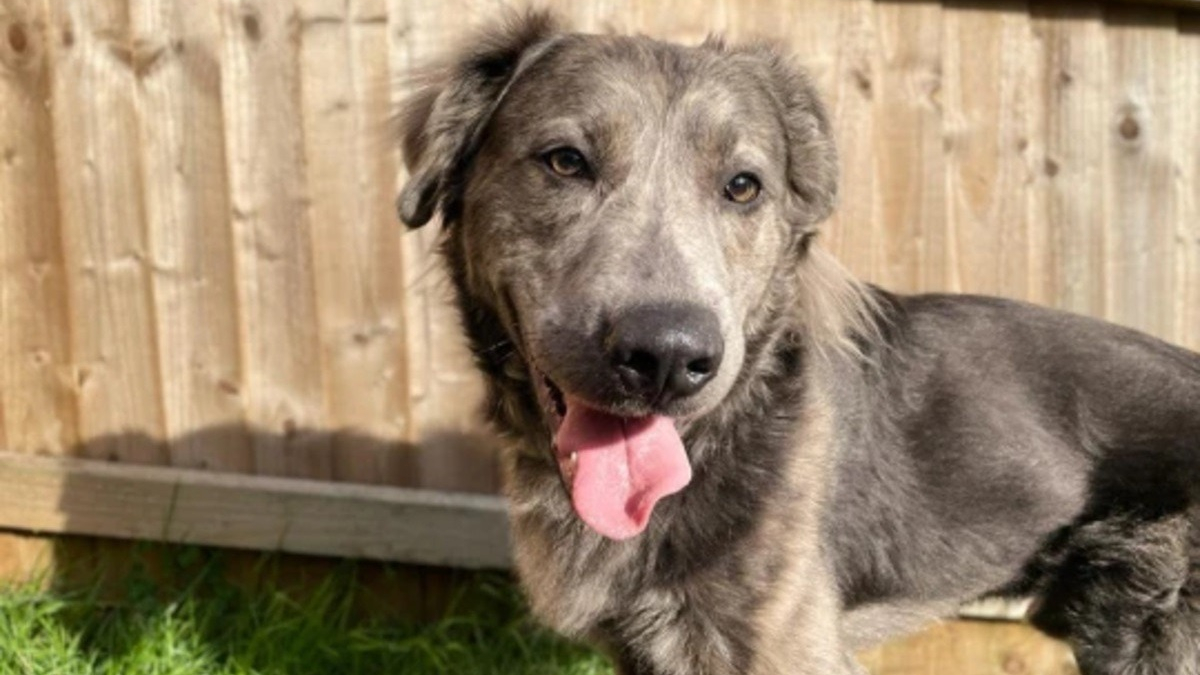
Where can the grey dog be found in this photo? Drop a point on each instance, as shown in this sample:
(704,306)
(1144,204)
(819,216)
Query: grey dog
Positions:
(726,455)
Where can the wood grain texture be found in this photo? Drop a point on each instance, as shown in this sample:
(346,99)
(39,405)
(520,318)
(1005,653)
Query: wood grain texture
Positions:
(57,495)
(1140,243)
(683,20)
(356,240)
(910,167)
(27,559)
(114,347)
(272,235)
(972,648)
(445,393)
(987,125)
(1187,180)
(1073,95)
(186,194)
(855,231)
(37,403)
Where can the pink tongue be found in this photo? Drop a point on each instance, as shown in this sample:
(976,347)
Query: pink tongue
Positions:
(624,466)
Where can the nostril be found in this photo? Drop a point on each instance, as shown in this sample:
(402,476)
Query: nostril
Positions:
(641,362)
(702,367)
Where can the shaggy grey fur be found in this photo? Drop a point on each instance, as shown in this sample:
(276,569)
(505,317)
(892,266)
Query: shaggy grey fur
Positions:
(863,461)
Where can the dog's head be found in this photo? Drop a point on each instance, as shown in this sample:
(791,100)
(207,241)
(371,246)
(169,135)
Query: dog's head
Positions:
(623,207)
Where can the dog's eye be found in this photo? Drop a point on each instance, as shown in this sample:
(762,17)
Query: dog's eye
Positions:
(566,162)
(743,188)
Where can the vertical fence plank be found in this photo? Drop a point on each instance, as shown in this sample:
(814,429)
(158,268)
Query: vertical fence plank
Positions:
(1140,201)
(1186,150)
(1039,285)
(854,233)
(107,257)
(1075,162)
(401,65)
(445,393)
(682,20)
(594,16)
(36,404)
(272,237)
(186,193)
(351,169)
(988,119)
(910,166)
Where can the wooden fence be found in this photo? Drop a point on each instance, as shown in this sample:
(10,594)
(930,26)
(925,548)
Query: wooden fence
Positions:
(201,271)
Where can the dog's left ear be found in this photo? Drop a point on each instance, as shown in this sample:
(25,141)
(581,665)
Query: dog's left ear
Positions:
(440,124)
(812,170)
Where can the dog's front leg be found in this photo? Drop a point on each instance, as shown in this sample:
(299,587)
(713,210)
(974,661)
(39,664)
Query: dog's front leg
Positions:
(798,628)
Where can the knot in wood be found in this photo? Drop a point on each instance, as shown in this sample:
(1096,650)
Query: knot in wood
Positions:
(18,39)
(1129,128)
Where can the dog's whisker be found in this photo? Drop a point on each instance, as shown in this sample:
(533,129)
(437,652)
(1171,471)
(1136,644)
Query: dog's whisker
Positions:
(499,345)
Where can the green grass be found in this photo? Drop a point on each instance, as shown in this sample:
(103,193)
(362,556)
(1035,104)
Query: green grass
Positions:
(210,627)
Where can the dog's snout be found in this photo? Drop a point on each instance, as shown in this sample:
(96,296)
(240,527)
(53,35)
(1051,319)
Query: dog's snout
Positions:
(665,352)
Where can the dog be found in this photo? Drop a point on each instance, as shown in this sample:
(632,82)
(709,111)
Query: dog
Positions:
(727,456)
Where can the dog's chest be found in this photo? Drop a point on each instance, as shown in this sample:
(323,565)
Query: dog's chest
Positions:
(654,618)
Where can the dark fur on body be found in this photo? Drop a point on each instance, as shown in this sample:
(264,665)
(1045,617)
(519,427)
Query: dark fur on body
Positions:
(869,461)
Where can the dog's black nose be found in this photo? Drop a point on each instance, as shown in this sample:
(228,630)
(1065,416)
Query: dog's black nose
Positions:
(665,352)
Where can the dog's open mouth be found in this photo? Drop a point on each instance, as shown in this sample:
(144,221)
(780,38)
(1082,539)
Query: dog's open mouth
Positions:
(616,468)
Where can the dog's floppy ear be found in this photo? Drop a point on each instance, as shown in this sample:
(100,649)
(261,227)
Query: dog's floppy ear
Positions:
(441,122)
(812,170)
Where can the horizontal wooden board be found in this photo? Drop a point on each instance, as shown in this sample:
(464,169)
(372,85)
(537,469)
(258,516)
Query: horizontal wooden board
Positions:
(65,495)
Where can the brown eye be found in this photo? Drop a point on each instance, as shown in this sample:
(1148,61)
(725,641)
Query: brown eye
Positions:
(743,188)
(566,162)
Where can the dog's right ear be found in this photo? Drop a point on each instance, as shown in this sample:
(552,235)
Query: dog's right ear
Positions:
(441,122)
